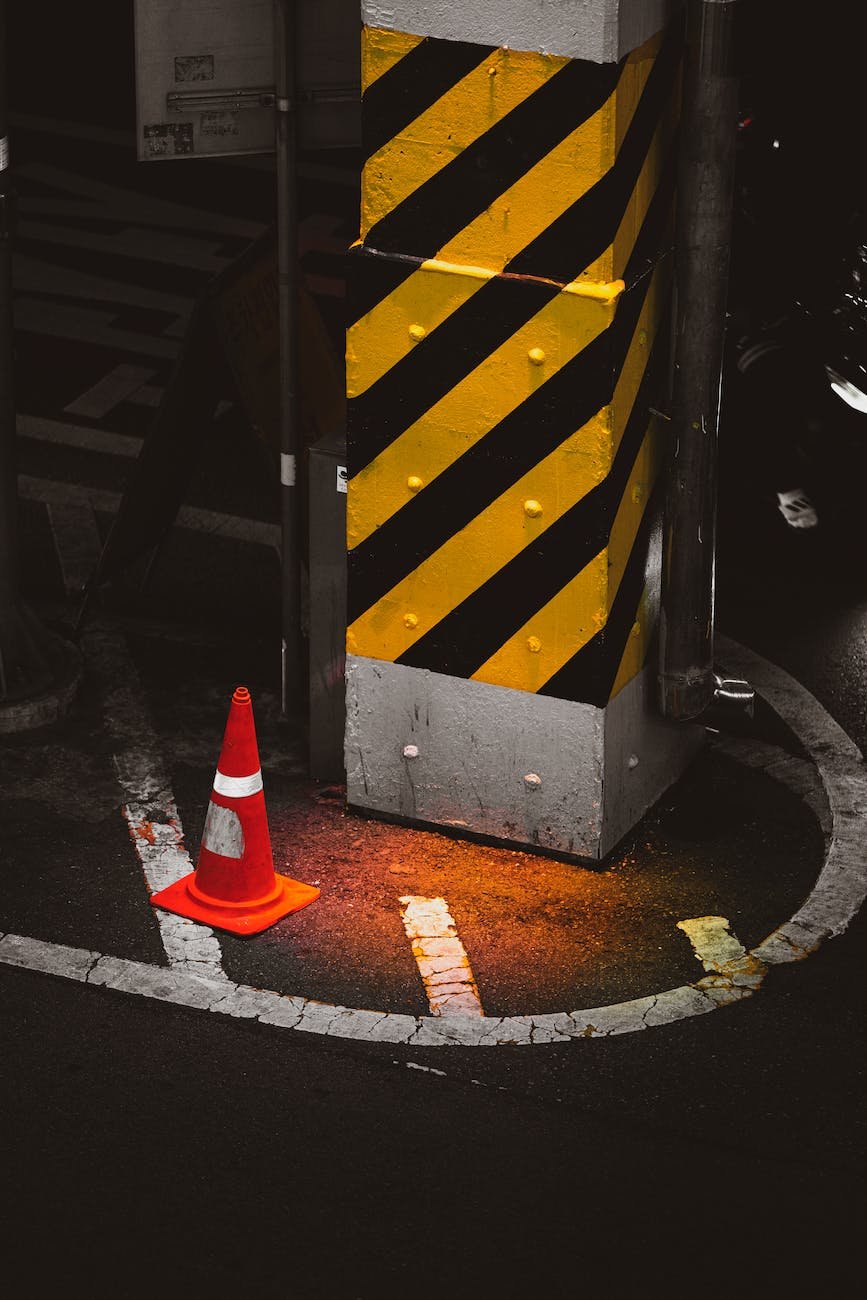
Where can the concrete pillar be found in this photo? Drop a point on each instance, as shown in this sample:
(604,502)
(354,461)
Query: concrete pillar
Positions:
(510,298)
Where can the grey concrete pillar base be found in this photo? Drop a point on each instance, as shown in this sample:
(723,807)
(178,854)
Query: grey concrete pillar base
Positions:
(550,775)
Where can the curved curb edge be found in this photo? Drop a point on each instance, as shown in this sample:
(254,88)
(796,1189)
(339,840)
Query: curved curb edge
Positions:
(835,899)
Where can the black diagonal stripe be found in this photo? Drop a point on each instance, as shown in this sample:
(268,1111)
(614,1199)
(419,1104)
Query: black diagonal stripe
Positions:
(520,441)
(412,84)
(590,674)
(587,228)
(435,212)
(468,636)
(438,364)
(529,433)
(371,277)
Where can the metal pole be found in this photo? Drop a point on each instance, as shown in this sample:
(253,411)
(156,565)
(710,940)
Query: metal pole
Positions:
(287,292)
(703,226)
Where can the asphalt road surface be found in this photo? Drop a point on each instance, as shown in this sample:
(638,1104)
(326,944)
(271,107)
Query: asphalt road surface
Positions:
(154,1144)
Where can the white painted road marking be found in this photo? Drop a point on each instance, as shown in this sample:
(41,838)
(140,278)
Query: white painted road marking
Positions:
(138,243)
(87,325)
(149,808)
(110,202)
(148,395)
(32,275)
(110,391)
(106,502)
(834,901)
(40,429)
(441,957)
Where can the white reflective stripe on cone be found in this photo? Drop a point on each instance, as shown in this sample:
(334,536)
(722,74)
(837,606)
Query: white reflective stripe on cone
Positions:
(236,787)
(223,832)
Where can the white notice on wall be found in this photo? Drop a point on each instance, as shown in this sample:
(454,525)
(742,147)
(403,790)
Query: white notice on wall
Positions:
(204,77)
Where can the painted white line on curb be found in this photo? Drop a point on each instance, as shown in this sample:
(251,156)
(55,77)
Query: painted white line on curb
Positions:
(835,899)
(440,956)
(841,887)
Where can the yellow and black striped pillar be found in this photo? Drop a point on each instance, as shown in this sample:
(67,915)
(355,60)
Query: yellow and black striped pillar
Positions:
(509,301)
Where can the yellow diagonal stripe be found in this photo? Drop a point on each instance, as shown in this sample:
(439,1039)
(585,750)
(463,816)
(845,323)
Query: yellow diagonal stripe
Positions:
(469,558)
(472,408)
(457,119)
(381,50)
(376,342)
(489,541)
(382,338)
(612,262)
(541,195)
(570,619)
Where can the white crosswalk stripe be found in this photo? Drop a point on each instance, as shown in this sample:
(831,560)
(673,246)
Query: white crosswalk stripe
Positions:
(106,276)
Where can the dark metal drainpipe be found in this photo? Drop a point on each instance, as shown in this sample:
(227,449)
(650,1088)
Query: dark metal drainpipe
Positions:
(287,296)
(687,685)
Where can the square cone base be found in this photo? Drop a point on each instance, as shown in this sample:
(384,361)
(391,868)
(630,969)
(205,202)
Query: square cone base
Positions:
(235,917)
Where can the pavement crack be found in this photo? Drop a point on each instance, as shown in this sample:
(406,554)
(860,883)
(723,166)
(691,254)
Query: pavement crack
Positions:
(655,1000)
(97,958)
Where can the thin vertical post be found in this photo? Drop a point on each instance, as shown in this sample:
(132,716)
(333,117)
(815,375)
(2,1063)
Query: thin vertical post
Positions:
(287,291)
(703,230)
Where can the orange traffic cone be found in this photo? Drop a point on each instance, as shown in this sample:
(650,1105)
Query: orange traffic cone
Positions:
(234,886)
